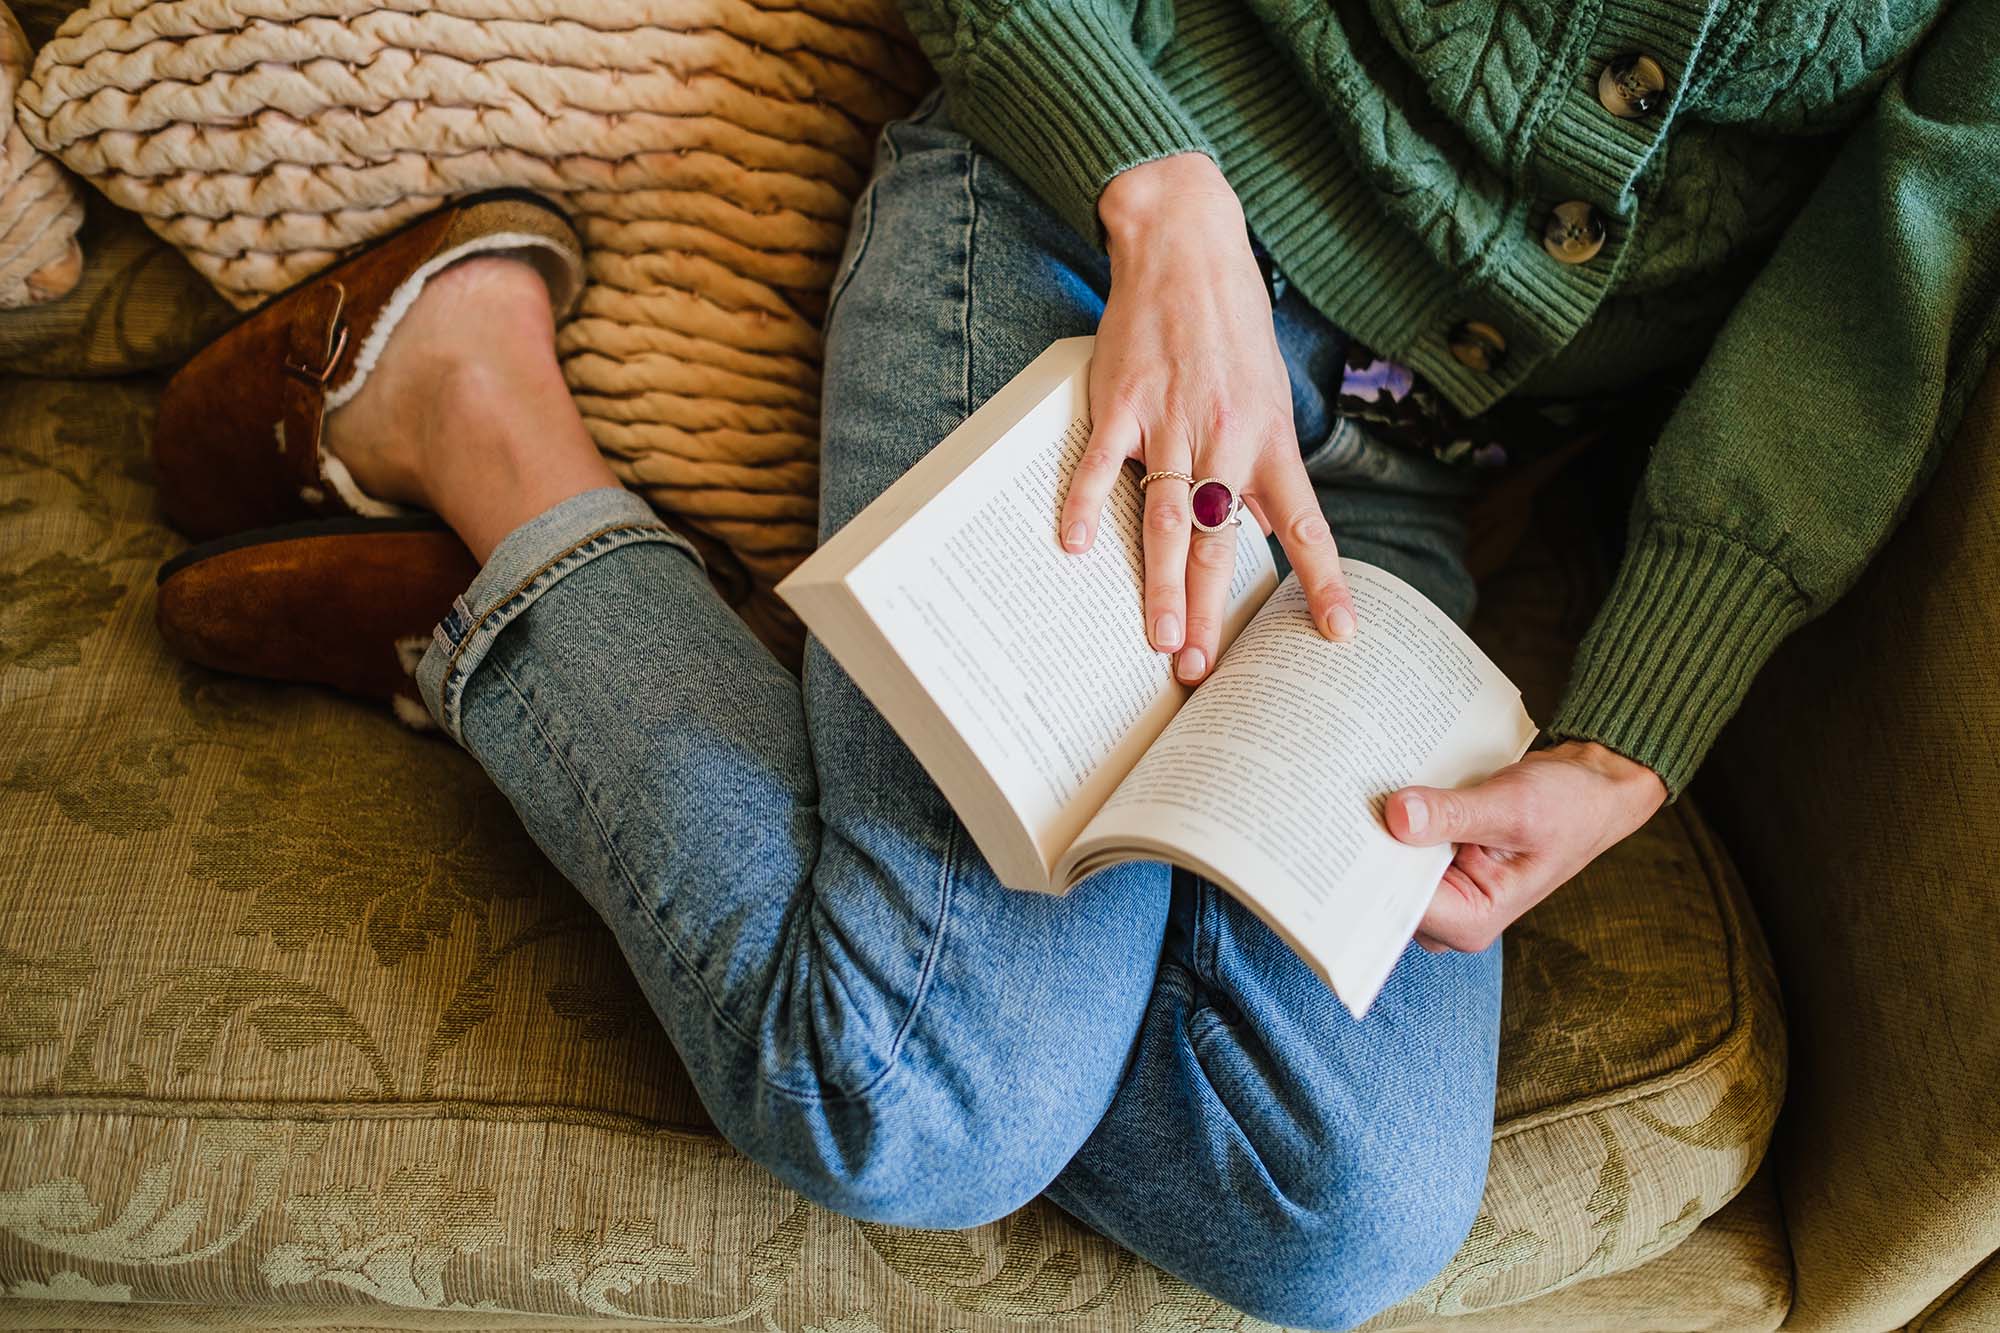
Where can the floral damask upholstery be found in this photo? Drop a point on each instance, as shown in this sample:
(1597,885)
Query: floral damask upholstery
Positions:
(298,1029)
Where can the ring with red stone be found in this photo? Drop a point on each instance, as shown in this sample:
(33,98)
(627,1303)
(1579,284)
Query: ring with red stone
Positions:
(1215,504)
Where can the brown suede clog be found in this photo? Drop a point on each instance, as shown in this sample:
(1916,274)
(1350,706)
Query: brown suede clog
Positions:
(346,602)
(236,444)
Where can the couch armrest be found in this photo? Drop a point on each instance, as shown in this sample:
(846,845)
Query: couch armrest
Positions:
(1860,791)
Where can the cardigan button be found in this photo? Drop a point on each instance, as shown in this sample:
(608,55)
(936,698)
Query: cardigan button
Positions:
(1632,86)
(1574,232)
(1478,346)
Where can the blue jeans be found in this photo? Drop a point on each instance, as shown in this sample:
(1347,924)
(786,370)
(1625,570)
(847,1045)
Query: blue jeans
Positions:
(862,1007)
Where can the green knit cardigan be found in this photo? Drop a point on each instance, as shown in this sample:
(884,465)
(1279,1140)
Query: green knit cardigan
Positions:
(1812,205)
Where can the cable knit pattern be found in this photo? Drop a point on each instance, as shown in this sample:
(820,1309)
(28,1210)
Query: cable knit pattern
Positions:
(40,207)
(710,150)
(1810,195)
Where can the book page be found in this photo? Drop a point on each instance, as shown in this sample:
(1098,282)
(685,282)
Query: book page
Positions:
(1272,779)
(1035,657)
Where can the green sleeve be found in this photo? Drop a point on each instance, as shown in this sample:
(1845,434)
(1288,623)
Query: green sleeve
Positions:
(1061,92)
(1817,416)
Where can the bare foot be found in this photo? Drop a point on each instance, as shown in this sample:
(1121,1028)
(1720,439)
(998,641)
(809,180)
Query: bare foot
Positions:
(466,413)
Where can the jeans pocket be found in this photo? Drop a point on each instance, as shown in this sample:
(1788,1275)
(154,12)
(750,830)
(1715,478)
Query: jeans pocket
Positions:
(1335,455)
(1353,456)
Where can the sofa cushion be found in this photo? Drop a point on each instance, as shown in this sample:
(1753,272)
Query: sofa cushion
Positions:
(296,1026)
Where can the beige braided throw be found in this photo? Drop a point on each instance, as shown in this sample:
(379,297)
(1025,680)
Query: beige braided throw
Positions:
(709,149)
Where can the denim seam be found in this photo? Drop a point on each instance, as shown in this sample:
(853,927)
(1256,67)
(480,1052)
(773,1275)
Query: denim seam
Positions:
(950,864)
(1207,950)
(617,858)
(866,200)
(965,307)
(1230,1124)
(452,680)
(865,204)
(953,843)
(1203,1021)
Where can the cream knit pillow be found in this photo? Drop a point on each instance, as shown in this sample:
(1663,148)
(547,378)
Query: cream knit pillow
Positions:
(709,149)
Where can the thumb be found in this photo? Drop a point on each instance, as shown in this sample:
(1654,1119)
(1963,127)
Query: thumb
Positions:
(1426,816)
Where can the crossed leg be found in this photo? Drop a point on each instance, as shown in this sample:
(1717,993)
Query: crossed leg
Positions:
(862,1008)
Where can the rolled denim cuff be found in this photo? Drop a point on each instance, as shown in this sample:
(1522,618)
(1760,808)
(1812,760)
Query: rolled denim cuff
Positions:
(526,564)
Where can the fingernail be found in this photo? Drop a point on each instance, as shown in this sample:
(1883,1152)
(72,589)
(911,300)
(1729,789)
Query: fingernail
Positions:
(1415,814)
(1167,632)
(1191,661)
(1340,623)
(1078,535)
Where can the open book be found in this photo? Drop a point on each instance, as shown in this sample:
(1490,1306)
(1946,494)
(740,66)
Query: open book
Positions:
(1020,677)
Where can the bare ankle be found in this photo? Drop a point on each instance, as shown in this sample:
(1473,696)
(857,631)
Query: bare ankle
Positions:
(471,360)
(500,439)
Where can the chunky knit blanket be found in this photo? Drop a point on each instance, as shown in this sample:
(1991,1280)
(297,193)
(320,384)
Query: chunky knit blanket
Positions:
(40,207)
(709,150)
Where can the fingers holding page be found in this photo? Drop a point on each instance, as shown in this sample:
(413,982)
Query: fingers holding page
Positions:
(1521,834)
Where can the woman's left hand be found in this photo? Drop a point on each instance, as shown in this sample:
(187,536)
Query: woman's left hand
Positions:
(1521,834)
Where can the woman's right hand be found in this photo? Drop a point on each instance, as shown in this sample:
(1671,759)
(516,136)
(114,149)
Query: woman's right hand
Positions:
(1187,377)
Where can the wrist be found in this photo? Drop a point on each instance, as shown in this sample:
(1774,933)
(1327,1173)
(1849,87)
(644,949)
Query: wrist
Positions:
(1140,200)
(1640,783)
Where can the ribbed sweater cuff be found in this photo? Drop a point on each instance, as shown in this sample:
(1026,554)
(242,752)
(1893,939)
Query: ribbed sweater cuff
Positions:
(1062,94)
(1691,618)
